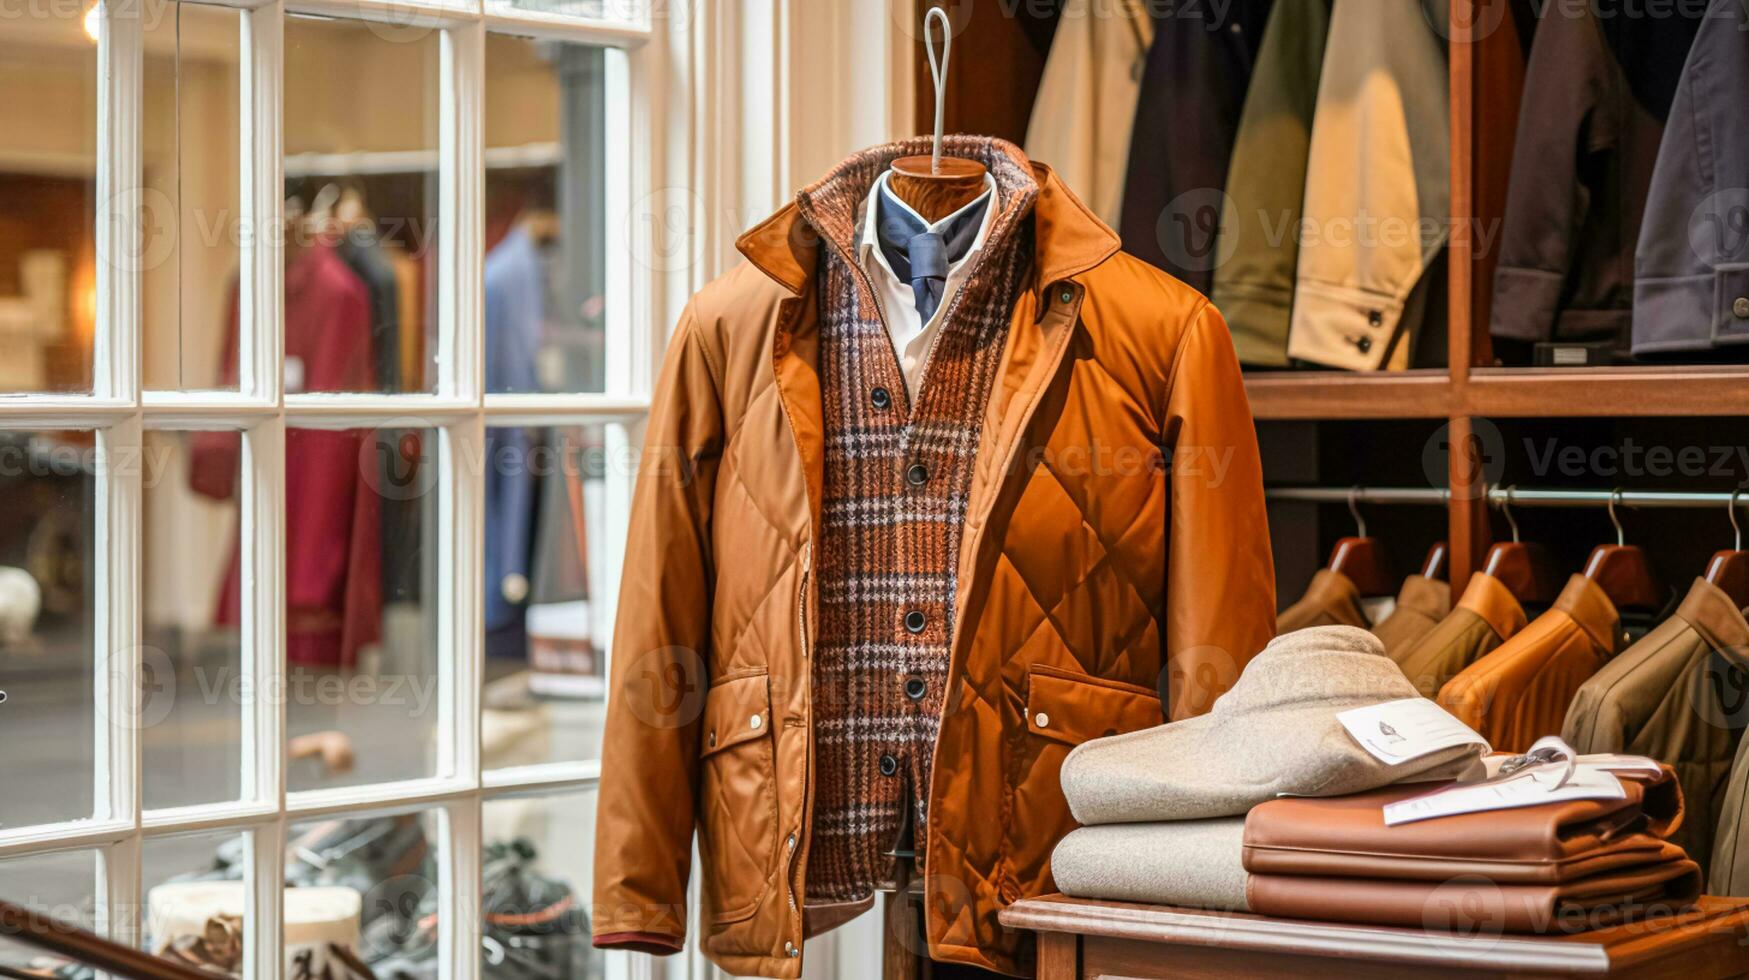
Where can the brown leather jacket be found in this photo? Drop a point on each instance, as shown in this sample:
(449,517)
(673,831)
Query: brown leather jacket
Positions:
(1115,544)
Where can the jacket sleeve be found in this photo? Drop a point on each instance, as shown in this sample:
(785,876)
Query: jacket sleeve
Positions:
(1559,130)
(1220,576)
(649,756)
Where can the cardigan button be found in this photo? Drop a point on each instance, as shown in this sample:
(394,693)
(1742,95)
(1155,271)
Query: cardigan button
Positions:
(889,765)
(1741,308)
(881,398)
(915,688)
(916,474)
(915,621)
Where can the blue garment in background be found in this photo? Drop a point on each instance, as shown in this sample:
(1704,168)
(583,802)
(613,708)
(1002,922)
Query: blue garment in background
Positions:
(515,311)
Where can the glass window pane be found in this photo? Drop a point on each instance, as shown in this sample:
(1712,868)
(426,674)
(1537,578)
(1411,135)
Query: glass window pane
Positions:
(591,9)
(546,270)
(361,605)
(548,594)
(537,867)
(46,611)
(194,892)
(381,869)
(361,130)
(48,189)
(190,211)
(59,887)
(192,717)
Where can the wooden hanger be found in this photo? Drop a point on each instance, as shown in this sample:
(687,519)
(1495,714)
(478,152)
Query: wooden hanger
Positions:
(1526,569)
(1435,566)
(1623,571)
(936,186)
(1729,570)
(1362,559)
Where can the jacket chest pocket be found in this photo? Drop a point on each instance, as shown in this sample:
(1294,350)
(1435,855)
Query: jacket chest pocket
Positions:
(737,799)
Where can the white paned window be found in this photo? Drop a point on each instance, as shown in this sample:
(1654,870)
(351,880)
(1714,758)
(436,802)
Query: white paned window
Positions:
(327,331)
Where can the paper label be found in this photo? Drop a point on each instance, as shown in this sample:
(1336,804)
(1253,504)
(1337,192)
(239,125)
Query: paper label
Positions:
(1398,731)
(1530,788)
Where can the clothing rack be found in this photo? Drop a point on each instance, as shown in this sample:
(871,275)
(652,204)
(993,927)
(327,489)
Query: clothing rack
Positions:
(1515,497)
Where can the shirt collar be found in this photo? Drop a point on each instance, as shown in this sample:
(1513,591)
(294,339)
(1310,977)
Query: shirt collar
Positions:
(868,240)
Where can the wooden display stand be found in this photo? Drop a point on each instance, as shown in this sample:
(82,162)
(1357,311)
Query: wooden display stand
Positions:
(1084,938)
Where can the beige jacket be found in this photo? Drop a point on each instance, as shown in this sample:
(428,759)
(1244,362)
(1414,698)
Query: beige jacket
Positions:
(1086,104)
(1378,195)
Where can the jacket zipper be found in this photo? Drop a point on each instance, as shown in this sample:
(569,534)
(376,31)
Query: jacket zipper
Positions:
(794,841)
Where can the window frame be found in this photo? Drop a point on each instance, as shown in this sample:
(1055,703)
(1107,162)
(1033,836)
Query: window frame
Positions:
(649,134)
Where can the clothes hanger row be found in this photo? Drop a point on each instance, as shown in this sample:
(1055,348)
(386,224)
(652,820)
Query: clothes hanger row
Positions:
(1623,571)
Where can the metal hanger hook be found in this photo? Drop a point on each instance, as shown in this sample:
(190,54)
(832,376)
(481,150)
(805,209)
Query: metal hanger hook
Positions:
(938,72)
(1620,537)
(1506,508)
(1354,511)
(1736,529)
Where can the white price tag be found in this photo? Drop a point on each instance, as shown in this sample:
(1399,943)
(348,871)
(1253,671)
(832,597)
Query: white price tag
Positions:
(1398,731)
(1533,786)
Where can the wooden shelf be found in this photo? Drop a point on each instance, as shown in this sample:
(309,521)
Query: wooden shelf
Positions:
(1345,395)
(1594,392)
(1503,393)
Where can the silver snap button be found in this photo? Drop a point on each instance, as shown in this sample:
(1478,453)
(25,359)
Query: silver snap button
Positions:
(790,948)
(712,739)
(1042,720)
(756,721)
(1066,296)
(792,842)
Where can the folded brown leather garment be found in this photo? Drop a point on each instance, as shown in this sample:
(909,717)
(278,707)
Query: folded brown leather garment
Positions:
(1472,903)
(1551,842)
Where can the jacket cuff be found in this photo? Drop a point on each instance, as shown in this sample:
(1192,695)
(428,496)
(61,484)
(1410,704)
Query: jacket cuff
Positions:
(654,943)
(1525,304)
(1351,329)
(1667,312)
(1258,317)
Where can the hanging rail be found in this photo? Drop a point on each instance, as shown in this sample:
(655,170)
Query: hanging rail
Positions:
(1520,497)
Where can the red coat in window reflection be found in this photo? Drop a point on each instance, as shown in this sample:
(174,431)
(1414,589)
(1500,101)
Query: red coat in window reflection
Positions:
(332,540)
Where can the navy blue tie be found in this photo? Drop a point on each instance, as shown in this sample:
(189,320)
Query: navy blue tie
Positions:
(919,256)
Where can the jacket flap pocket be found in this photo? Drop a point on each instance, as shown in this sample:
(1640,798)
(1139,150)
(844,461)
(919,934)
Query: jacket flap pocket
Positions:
(1074,708)
(736,710)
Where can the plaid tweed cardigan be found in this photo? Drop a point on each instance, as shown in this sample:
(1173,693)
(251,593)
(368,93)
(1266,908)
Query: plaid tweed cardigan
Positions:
(897,474)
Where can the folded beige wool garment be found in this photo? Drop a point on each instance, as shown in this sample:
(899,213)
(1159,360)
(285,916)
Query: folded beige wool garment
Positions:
(1195,863)
(1274,733)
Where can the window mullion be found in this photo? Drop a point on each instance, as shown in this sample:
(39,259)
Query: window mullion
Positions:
(261,196)
(458,878)
(263,905)
(115,346)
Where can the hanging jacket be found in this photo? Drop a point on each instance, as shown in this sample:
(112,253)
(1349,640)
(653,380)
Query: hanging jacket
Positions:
(1674,696)
(1596,92)
(1486,616)
(1422,603)
(1330,600)
(1521,691)
(1086,103)
(1083,581)
(1187,116)
(1266,183)
(1691,285)
(1378,186)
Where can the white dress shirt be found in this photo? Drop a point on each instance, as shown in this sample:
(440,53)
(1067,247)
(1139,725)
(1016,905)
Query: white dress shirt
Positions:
(912,338)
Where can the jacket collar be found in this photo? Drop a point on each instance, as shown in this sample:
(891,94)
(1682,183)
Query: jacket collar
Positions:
(1068,239)
(1716,618)
(1585,602)
(1427,596)
(1494,603)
